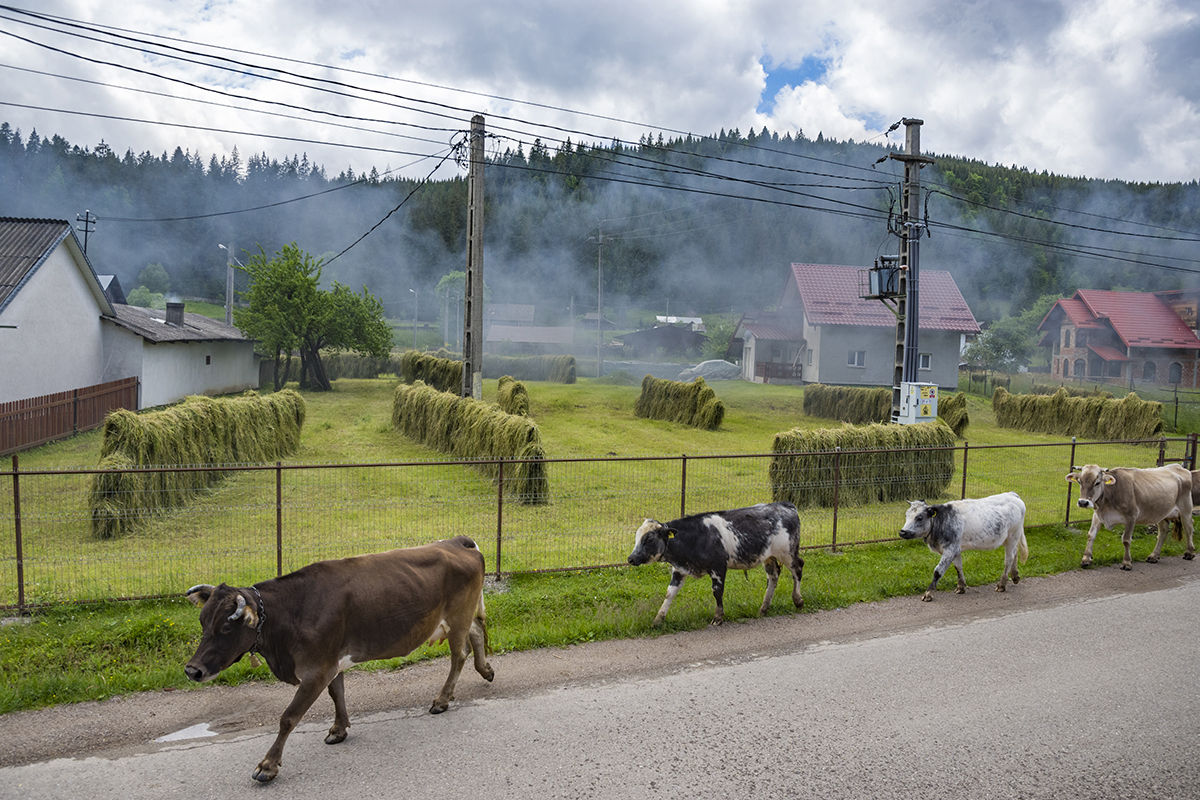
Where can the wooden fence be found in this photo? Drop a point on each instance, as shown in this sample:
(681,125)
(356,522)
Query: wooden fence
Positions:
(37,420)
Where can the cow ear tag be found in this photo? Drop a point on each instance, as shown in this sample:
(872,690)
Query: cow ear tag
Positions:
(932,513)
(1109,480)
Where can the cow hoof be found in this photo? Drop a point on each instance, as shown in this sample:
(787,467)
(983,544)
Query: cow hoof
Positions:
(1127,567)
(1016,578)
(336,736)
(960,590)
(1151,560)
(715,623)
(488,673)
(1001,588)
(438,708)
(798,603)
(1188,556)
(265,774)
(926,598)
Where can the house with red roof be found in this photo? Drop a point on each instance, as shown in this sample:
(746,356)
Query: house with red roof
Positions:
(826,332)
(1126,338)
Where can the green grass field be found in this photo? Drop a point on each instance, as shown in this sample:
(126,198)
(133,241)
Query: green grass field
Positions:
(70,653)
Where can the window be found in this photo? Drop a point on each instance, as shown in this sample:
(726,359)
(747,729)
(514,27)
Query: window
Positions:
(1176,373)
(1066,368)
(925,361)
(1148,370)
(207,361)
(1080,368)
(856,358)
(810,357)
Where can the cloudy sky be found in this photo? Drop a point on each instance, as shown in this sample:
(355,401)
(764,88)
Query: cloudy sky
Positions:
(1095,88)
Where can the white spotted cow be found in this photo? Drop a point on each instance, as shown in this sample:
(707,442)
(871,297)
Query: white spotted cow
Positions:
(718,541)
(979,524)
(1127,496)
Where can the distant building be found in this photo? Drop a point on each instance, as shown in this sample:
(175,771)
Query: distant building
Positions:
(1126,338)
(824,332)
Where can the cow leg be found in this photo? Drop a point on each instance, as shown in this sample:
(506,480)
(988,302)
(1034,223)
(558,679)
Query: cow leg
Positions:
(1091,539)
(1163,528)
(677,578)
(309,690)
(1188,525)
(457,640)
(479,646)
(1010,562)
(961,588)
(1126,538)
(797,572)
(771,565)
(718,582)
(341,720)
(947,559)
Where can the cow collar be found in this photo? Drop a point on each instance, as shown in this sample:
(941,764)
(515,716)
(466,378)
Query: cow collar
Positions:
(262,619)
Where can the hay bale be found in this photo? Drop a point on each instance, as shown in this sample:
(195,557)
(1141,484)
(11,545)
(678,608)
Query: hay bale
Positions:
(249,429)
(953,412)
(555,369)
(693,404)
(443,374)
(853,404)
(512,397)
(877,464)
(463,427)
(1091,416)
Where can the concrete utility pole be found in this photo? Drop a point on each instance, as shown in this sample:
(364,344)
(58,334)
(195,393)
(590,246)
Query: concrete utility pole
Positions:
(229,259)
(908,324)
(473,296)
(600,239)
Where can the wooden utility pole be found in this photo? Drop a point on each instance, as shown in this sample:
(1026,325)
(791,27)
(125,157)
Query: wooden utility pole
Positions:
(473,295)
(908,322)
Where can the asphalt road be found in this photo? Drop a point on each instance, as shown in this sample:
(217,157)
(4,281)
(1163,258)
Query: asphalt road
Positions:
(1084,685)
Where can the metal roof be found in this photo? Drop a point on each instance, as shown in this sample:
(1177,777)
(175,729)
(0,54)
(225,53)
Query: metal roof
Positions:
(830,297)
(25,243)
(151,324)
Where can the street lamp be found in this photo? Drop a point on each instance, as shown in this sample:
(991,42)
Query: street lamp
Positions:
(416,306)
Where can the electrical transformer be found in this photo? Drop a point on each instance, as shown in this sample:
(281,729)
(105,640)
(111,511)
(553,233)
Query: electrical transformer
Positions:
(918,403)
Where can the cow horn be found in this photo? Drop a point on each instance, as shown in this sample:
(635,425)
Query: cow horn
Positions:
(199,594)
(241,609)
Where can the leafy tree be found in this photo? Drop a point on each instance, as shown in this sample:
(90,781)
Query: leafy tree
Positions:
(154,277)
(719,331)
(1011,341)
(286,310)
(144,298)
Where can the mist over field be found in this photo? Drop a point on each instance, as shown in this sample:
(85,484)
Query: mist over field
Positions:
(691,226)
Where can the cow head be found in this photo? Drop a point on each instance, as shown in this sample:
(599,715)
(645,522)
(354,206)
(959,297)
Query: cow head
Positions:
(1092,480)
(650,542)
(918,520)
(228,625)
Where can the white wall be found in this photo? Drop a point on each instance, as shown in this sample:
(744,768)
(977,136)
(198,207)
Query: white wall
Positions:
(56,345)
(833,343)
(172,371)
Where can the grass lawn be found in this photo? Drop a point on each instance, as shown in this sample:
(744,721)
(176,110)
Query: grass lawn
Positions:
(71,653)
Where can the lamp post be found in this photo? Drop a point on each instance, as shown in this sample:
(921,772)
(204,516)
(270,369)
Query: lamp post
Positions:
(416,307)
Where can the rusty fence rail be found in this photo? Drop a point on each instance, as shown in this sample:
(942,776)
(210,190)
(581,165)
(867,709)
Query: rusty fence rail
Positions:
(268,519)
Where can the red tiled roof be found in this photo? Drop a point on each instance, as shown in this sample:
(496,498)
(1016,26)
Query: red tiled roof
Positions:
(1108,353)
(830,297)
(1139,319)
(1079,314)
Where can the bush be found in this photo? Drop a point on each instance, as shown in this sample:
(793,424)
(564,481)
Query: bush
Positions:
(856,405)
(1091,417)
(885,463)
(694,403)
(467,428)
(249,429)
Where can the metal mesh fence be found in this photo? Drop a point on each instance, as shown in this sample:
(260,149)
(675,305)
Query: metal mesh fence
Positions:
(263,520)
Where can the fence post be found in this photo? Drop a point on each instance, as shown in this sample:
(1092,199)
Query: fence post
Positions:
(1070,468)
(499,515)
(20,548)
(837,480)
(278,519)
(1191,450)
(683,486)
(966,447)
(1162,451)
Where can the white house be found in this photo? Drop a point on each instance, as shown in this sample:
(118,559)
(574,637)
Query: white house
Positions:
(825,332)
(60,331)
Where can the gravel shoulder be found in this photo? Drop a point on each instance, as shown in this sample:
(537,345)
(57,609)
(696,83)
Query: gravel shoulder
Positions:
(122,725)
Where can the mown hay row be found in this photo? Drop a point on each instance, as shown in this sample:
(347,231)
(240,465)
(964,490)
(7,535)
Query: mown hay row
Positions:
(250,429)
(443,374)
(897,462)
(953,412)
(1072,391)
(463,427)
(855,405)
(694,403)
(512,397)
(1091,417)
(553,369)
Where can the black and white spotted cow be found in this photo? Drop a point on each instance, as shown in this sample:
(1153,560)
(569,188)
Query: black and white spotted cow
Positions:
(718,541)
(981,524)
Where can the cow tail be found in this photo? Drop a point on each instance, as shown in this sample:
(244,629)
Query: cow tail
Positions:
(1022,548)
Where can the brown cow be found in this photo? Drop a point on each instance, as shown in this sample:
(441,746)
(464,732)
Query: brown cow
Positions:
(1131,497)
(313,623)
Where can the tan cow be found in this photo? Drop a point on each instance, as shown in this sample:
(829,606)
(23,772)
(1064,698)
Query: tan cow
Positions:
(315,622)
(1129,497)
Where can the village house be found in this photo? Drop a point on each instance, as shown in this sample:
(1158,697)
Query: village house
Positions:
(1124,338)
(825,332)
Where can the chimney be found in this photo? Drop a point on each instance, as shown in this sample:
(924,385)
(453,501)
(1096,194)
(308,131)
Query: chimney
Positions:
(175,314)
